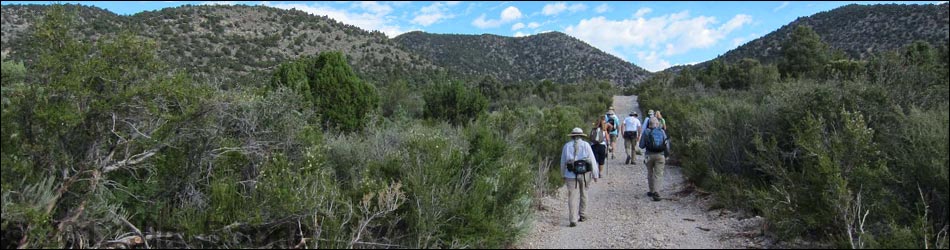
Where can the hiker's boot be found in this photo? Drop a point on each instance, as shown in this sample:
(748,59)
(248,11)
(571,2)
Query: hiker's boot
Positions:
(582,218)
(650,194)
(572,224)
(656,197)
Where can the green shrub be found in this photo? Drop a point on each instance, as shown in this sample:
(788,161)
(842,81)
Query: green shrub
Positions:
(337,94)
(454,103)
(814,153)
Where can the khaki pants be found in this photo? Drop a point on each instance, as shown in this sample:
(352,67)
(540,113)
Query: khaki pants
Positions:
(631,147)
(656,162)
(574,187)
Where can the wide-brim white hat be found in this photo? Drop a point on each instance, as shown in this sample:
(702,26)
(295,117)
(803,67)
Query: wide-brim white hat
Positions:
(577,132)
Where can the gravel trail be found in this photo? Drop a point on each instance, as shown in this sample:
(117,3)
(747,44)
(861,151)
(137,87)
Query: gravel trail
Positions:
(622,216)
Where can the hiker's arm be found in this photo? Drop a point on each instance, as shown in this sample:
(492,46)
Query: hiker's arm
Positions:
(666,147)
(642,144)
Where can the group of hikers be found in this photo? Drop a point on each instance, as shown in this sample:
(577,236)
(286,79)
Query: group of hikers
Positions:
(581,159)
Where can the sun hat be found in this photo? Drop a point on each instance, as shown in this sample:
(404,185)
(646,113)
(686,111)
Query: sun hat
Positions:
(577,132)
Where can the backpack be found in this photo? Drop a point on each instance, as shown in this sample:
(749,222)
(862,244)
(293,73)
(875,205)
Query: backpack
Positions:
(597,136)
(578,167)
(612,122)
(655,140)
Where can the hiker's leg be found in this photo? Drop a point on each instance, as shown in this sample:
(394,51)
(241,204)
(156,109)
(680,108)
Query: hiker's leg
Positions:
(660,169)
(629,148)
(582,186)
(571,193)
(651,178)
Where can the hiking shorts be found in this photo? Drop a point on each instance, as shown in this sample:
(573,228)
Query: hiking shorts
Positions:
(629,135)
(600,153)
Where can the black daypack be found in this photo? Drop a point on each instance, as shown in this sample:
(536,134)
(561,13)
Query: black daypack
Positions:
(613,123)
(578,167)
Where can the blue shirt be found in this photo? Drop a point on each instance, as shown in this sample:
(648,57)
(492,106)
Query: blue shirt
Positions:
(584,152)
(616,124)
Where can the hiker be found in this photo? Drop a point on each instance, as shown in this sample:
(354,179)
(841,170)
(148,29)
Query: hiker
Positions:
(577,159)
(646,121)
(613,127)
(659,116)
(599,139)
(656,144)
(631,135)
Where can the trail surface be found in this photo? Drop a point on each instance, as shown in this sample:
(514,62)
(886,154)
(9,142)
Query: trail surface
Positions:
(621,215)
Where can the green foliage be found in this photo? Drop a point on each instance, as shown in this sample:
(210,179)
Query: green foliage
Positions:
(454,103)
(804,54)
(399,99)
(89,113)
(341,98)
(13,73)
(814,155)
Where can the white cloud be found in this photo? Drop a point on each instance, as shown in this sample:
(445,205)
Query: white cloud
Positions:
(534,25)
(602,8)
(736,42)
(577,7)
(375,17)
(780,7)
(554,8)
(517,26)
(557,8)
(736,22)
(434,13)
(651,61)
(374,7)
(509,14)
(656,37)
(519,34)
(643,11)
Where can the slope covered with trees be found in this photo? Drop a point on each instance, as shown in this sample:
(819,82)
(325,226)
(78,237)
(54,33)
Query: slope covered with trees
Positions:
(856,31)
(225,42)
(548,56)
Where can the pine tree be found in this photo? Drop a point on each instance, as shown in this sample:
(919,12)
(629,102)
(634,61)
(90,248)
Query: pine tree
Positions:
(804,54)
(331,86)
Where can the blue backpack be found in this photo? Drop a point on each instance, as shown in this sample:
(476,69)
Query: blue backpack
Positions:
(655,140)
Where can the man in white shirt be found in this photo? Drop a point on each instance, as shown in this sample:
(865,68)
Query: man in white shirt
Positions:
(631,134)
(577,150)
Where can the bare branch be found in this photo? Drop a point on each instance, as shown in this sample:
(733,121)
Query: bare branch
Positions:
(131,161)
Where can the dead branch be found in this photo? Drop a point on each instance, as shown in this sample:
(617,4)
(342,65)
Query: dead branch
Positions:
(387,201)
(131,161)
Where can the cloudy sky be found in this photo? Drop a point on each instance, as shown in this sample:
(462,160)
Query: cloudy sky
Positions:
(652,35)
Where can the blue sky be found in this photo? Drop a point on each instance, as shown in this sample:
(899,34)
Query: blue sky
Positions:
(652,35)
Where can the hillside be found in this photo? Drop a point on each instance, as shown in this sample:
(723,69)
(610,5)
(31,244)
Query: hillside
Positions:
(553,55)
(857,30)
(229,40)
